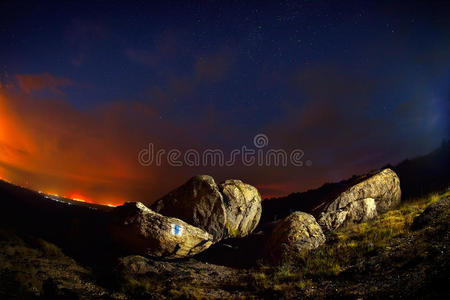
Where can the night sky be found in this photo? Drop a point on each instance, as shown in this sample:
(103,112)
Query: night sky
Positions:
(85,87)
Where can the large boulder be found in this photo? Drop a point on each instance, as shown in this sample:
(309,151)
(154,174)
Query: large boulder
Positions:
(291,236)
(198,202)
(354,213)
(230,209)
(243,207)
(140,230)
(372,195)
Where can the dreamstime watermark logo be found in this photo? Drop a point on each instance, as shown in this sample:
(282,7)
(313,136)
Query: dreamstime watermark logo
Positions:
(217,158)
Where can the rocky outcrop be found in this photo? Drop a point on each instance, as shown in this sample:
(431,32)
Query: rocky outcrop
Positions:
(297,232)
(140,230)
(197,202)
(231,209)
(243,207)
(354,213)
(372,195)
(432,214)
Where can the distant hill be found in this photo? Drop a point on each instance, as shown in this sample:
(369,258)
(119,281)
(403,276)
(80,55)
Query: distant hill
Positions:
(425,174)
(54,218)
(418,176)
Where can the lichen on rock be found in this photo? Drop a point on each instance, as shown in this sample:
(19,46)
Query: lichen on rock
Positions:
(243,207)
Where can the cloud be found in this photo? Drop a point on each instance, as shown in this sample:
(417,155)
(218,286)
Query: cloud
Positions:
(55,147)
(331,112)
(39,82)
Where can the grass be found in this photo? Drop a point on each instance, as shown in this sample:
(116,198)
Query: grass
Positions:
(142,286)
(344,248)
(27,263)
(47,249)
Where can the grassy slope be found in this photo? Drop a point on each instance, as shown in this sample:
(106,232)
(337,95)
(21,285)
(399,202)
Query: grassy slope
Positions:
(383,246)
(376,259)
(32,267)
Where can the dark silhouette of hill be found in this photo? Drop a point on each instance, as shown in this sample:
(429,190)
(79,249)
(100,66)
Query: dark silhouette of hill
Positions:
(418,176)
(425,174)
(78,228)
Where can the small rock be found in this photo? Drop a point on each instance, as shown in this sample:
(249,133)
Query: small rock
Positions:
(431,213)
(134,264)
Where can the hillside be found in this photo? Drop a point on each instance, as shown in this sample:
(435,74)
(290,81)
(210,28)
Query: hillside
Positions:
(381,258)
(418,177)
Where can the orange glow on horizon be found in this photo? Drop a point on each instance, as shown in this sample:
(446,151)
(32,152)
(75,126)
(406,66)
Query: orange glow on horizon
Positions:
(80,197)
(44,147)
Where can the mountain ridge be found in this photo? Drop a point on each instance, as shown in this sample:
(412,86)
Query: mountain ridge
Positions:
(418,177)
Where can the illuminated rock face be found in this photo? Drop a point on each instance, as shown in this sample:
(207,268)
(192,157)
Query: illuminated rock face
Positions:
(363,201)
(291,236)
(198,202)
(354,213)
(243,207)
(230,209)
(140,230)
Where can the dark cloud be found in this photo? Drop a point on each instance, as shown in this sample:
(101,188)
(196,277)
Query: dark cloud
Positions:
(44,81)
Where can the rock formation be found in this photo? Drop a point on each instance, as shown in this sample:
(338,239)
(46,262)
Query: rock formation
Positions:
(140,230)
(197,202)
(372,195)
(297,232)
(354,213)
(232,209)
(243,207)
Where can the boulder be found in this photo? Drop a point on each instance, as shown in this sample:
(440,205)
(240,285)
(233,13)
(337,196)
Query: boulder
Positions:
(297,232)
(230,209)
(243,207)
(142,231)
(198,202)
(356,212)
(355,204)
